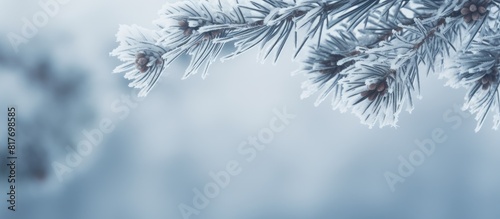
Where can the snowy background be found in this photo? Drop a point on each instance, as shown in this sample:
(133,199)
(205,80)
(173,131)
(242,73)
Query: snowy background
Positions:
(325,164)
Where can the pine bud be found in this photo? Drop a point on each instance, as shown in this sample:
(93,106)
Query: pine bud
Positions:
(142,61)
(183,23)
(140,55)
(484,80)
(365,93)
(476,16)
(486,86)
(473,8)
(381,87)
(143,68)
(373,96)
(188,32)
(482,10)
(465,11)
(468,18)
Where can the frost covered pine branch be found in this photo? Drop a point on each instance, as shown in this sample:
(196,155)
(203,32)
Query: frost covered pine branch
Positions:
(366,55)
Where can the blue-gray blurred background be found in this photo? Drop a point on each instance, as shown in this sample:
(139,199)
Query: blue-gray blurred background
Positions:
(325,164)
